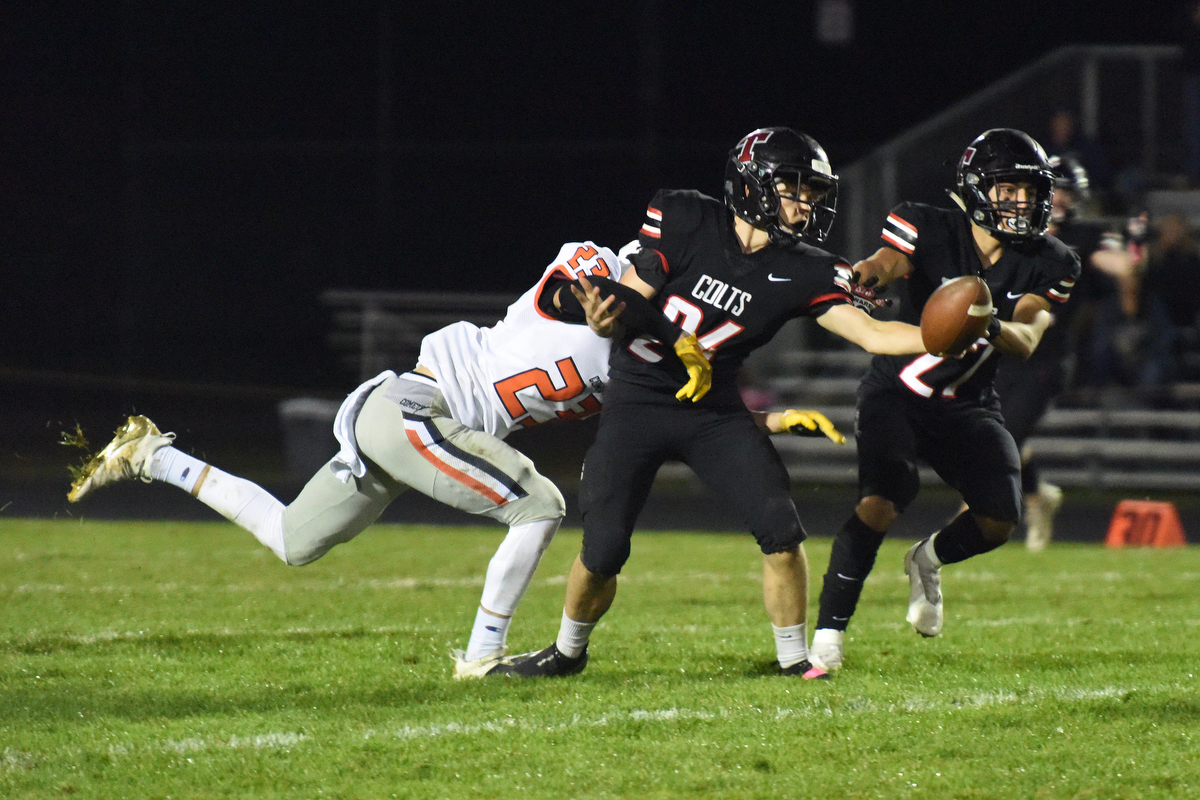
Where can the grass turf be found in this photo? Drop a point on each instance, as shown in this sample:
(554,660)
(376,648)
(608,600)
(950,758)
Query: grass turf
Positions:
(183,660)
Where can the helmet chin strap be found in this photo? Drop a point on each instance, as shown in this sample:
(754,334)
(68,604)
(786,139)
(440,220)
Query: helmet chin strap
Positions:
(780,234)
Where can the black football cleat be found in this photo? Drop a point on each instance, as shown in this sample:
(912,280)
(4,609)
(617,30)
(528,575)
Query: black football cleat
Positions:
(548,663)
(806,670)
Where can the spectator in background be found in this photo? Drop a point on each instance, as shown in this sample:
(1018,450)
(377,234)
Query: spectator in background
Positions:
(1170,301)
(1066,139)
(1106,300)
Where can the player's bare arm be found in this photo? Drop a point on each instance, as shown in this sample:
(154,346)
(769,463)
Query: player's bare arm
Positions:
(1021,336)
(888,338)
(630,278)
(1120,264)
(881,268)
(1114,261)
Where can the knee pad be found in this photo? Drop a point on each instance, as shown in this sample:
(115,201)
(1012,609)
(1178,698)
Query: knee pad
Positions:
(901,485)
(604,558)
(543,501)
(777,526)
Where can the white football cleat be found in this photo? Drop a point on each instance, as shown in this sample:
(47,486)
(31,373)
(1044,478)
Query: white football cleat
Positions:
(1040,509)
(925,597)
(126,457)
(464,669)
(826,650)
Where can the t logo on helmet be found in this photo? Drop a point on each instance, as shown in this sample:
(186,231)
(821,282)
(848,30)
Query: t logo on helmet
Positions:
(746,146)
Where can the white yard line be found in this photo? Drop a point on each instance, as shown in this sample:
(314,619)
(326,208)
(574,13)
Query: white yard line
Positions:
(808,708)
(816,707)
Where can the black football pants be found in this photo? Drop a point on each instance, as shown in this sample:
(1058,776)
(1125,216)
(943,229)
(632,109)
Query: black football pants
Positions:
(640,429)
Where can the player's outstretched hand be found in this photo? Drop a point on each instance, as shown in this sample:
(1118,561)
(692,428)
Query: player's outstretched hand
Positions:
(810,423)
(699,370)
(602,312)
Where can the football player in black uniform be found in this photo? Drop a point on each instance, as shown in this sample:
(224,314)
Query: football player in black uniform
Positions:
(940,409)
(733,273)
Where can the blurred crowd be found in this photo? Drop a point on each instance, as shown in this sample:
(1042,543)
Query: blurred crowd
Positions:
(1136,304)
(1135,324)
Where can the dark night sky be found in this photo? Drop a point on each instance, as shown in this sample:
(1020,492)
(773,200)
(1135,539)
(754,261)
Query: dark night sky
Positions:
(187,177)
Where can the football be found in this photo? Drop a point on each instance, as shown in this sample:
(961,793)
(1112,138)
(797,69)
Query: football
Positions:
(955,315)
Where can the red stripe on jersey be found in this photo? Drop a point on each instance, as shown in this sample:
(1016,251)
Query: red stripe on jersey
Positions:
(666,268)
(898,243)
(652,226)
(825,298)
(903,225)
(454,474)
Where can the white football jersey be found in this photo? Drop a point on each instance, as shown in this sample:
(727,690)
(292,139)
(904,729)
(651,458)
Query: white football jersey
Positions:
(528,367)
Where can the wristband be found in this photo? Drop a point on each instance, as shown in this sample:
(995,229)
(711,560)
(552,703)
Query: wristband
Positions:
(993,329)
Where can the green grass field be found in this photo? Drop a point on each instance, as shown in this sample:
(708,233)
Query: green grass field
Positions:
(156,660)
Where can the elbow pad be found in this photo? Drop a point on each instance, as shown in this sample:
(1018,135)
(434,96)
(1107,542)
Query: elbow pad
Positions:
(569,309)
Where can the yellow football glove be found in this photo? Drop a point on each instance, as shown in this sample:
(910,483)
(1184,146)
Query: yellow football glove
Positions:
(810,423)
(699,370)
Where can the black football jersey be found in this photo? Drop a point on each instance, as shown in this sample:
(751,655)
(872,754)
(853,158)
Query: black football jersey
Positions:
(732,301)
(939,244)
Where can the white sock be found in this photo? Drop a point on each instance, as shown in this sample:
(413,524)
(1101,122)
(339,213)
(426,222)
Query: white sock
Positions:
(512,567)
(176,468)
(791,644)
(246,504)
(573,636)
(930,553)
(236,499)
(508,576)
(488,635)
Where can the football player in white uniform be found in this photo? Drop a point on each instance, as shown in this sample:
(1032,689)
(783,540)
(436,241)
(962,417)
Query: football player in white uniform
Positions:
(437,429)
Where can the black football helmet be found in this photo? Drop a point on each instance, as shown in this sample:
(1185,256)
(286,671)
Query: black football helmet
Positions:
(1005,155)
(1071,179)
(1069,174)
(773,163)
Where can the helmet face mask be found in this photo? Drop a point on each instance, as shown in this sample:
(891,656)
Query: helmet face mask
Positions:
(772,165)
(992,165)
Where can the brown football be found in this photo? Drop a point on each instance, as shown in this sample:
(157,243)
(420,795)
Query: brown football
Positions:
(955,315)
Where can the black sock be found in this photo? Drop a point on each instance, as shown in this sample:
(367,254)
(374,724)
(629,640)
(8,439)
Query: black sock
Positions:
(961,539)
(850,561)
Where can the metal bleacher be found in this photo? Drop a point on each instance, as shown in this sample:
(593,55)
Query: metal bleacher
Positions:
(374,330)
